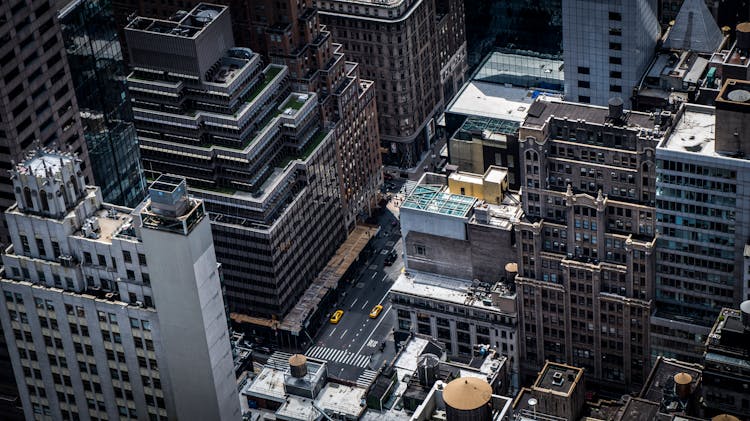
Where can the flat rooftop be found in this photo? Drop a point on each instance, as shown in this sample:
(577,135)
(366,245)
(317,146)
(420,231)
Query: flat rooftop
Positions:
(660,382)
(543,110)
(440,288)
(182,24)
(498,101)
(694,132)
(110,221)
(558,378)
(437,199)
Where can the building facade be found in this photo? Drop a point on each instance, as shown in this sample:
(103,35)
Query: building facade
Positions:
(607,46)
(96,330)
(37,98)
(415,51)
(289,33)
(703,223)
(586,248)
(254,150)
(726,376)
(98,72)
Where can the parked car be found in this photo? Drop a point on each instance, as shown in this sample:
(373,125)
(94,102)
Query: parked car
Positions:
(390,258)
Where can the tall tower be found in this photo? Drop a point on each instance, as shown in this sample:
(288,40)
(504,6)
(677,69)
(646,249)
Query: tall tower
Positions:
(250,144)
(98,72)
(37,102)
(607,46)
(177,236)
(416,52)
(88,306)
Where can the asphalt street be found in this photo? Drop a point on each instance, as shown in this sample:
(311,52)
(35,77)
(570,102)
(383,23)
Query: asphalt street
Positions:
(352,347)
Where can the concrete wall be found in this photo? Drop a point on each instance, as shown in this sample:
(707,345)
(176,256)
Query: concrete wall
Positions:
(444,256)
(432,223)
(193,321)
(490,250)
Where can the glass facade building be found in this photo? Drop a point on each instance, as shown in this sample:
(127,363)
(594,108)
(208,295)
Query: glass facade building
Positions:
(98,72)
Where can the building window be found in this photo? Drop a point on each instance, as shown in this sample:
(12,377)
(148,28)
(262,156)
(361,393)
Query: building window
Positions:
(615,16)
(615,74)
(615,88)
(615,46)
(583,70)
(584,84)
(126,256)
(420,249)
(615,60)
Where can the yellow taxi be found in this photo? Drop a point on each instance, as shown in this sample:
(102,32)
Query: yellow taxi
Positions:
(375,312)
(337,316)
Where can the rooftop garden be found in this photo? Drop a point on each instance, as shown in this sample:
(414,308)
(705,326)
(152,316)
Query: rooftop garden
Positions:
(294,102)
(268,77)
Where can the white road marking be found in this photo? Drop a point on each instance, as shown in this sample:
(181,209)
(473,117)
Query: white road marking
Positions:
(382,317)
(334,329)
(363,305)
(342,335)
(373,275)
(355,300)
(384,278)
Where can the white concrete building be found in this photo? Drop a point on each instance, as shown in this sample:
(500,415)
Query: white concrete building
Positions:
(95,330)
(607,46)
(703,197)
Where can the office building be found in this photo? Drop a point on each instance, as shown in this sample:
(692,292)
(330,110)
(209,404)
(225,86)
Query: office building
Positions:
(703,222)
(726,376)
(252,148)
(725,12)
(481,122)
(98,71)
(94,328)
(586,246)
(558,392)
(289,33)
(607,46)
(415,51)
(37,100)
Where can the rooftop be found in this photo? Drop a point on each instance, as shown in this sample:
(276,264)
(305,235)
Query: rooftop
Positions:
(506,103)
(436,199)
(558,378)
(452,290)
(637,409)
(181,24)
(694,29)
(660,384)
(105,224)
(43,165)
(694,131)
(593,114)
(730,337)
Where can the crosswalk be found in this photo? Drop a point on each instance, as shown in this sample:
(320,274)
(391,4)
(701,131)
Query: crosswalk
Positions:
(339,356)
(366,378)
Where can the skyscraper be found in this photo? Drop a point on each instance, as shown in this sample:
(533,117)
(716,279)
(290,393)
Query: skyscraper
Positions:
(98,72)
(703,219)
(254,148)
(586,254)
(95,330)
(416,53)
(607,46)
(37,100)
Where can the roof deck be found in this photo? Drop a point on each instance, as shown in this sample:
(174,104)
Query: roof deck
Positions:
(181,24)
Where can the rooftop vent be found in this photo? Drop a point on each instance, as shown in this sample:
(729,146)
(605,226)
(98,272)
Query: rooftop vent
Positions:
(557,378)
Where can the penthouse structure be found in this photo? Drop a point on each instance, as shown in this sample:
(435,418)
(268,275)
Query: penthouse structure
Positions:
(586,246)
(702,218)
(415,50)
(94,329)
(250,146)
